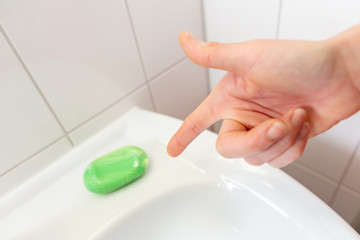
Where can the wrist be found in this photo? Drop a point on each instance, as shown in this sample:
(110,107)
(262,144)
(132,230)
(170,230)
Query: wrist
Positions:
(347,48)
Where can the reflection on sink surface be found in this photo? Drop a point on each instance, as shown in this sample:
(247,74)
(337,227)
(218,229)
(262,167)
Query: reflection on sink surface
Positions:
(199,195)
(206,212)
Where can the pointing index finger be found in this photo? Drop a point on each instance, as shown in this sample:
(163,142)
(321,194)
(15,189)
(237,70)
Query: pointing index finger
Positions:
(198,121)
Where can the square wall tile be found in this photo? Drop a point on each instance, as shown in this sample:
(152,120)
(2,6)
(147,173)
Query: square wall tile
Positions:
(180,90)
(140,98)
(82,53)
(317,20)
(320,186)
(32,166)
(330,152)
(157,25)
(238,21)
(26,123)
(352,178)
(347,205)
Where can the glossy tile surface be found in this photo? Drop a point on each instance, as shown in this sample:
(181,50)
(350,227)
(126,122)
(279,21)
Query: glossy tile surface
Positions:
(317,20)
(319,185)
(140,98)
(157,25)
(180,90)
(26,123)
(81,53)
(347,205)
(33,166)
(352,178)
(237,21)
(330,152)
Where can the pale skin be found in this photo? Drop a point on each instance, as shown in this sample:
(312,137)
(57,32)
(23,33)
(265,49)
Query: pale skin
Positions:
(276,95)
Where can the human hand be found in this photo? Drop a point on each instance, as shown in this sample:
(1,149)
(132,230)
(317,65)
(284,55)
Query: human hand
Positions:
(275,96)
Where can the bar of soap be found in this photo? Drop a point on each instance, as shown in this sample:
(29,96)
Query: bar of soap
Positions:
(115,170)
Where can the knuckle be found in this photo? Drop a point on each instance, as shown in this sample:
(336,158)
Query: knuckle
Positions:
(209,53)
(257,146)
(191,124)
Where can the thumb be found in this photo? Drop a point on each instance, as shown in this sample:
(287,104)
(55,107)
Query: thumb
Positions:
(231,57)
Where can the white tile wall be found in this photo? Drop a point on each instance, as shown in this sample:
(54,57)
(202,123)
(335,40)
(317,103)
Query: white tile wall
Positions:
(139,98)
(316,20)
(352,178)
(171,89)
(347,204)
(33,165)
(26,124)
(157,26)
(237,21)
(72,67)
(323,187)
(81,53)
(331,152)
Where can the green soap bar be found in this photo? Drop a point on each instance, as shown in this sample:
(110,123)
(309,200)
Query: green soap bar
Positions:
(116,169)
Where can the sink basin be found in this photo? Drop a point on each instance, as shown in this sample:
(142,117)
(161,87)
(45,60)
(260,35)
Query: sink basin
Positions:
(199,195)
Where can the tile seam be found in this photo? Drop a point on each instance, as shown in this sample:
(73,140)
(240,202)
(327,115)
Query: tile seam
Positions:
(32,79)
(107,108)
(139,54)
(343,176)
(33,155)
(126,96)
(316,173)
(168,69)
(204,32)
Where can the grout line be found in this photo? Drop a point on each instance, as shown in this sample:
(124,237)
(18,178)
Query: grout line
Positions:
(203,18)
(356,193)
(127,95)
(140,55)
(278,20)
(12,46)
(314,172)
(32,155)
(204,32)
(107,108)
(346,170)
(168,69)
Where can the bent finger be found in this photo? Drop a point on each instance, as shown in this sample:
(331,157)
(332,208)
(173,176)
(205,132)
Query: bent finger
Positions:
(294,119)
(244,143)
(198,121)
(295,151)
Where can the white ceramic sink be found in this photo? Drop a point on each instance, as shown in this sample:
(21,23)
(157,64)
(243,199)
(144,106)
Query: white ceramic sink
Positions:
(199,195)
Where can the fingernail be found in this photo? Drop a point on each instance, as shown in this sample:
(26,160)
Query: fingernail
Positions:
(298,117)
(277,130)
(304,130)
(188,35)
